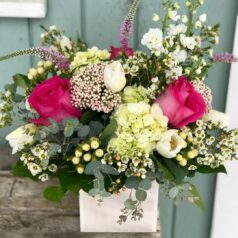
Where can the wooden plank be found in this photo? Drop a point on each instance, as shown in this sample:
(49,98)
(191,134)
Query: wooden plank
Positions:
(24,213)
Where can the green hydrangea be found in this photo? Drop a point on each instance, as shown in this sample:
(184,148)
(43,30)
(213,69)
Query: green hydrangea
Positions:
(134,94)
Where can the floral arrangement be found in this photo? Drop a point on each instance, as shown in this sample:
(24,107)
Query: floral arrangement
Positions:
(106,121)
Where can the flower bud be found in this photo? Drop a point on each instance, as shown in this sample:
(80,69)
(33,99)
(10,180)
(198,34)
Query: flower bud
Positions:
(78,153)
(179,157)
(87,157)
(40,70)
(75,160)
(99,153)
(94,143)
(48,64)
(183,162)
(86,147)
(80,169)
(33,72)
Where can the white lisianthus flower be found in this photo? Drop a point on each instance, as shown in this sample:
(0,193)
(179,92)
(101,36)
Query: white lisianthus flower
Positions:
(18,138)
(65,43)
(157,113)
(114,76)
(217,117)
(203,18)
(138,108)
(188,42)
(170,144)
(176,29)
(153,39)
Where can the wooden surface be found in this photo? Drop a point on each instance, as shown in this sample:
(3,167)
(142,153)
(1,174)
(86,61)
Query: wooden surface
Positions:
(24,213)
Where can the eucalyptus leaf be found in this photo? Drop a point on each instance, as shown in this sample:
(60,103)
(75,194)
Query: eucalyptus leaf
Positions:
(130,204)
(93,192)
(108,169)
(91,167)
(173,192)
(145,184)
(141,195)
(17,98)
(132,182)
(104,194)
(95,128)
(83,131)
(68,130)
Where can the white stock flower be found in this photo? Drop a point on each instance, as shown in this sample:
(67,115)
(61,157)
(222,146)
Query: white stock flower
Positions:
(174,72)
(176,29)
(153,39)
(65,43)
(138,108)
(217,117)
(114,76)
(179,55)
(173,15)
(188,42)
(170,144)
(203,18)
(18,138)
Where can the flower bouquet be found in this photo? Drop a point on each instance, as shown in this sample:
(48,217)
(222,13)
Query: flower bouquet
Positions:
(121,121)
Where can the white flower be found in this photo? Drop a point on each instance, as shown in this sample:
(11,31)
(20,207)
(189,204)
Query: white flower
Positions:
(184,18)
(43,177)
(176,29)
(52,28)
(170,144)
(156,17)
(157,113)
(174,72)
(198,24)
(188,42)
(8,93)
(138,108)
(65,43)
(114,76)
(179,55)
(217,117)
(173,15)
(34,168)
(18,138)
(153,39)
(203,18)
(52,168)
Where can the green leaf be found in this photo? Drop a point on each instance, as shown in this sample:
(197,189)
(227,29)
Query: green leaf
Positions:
(173,192)
(104,194)
(130,204)
(145,184)
(54,194)
(95,128)
(19,170)
(10,87)
(17,98)
(198,201)
(167,173)
(141,195)
(21,80)
(68,130)
(92,166)
(206,169)
(74,181)
(54,127)
(108,132)
(87,117)
(132,182)
(108,169)
(93,192)
(83,131)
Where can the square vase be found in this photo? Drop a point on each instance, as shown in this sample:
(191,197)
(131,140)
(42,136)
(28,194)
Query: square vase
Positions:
(104,217)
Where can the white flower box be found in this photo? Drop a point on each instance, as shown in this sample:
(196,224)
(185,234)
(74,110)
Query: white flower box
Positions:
(103,218)
(23,8)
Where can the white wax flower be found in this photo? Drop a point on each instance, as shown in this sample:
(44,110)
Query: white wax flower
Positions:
(18,138)
(114,76)
(153,39)
(170,144)
(217,117)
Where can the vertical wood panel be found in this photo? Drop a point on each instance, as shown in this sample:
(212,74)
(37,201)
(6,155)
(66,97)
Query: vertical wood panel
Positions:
(14,36)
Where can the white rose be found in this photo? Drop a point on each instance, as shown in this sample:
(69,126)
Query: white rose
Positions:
(170,144)
(153,39)
(157,113)
(18,138)
(217,117)
(114,76)
(138,108)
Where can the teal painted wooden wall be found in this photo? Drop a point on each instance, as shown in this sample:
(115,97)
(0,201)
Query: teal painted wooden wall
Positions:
(98,22)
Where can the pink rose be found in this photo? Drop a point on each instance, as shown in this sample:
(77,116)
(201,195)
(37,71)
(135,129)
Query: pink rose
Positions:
(181,103)
(116,52)
(51,99)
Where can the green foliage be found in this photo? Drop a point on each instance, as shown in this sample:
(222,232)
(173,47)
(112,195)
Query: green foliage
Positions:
(206,169)
(141,195)
(130,204)
(74,181)
(108,132)
(21,81)
(197,198)
(54,194)
(132,182)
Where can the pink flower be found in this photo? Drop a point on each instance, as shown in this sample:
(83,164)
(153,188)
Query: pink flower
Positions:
(181,103)
(51,99)
(116,52)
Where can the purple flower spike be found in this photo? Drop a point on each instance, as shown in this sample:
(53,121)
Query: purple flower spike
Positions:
(225,57)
